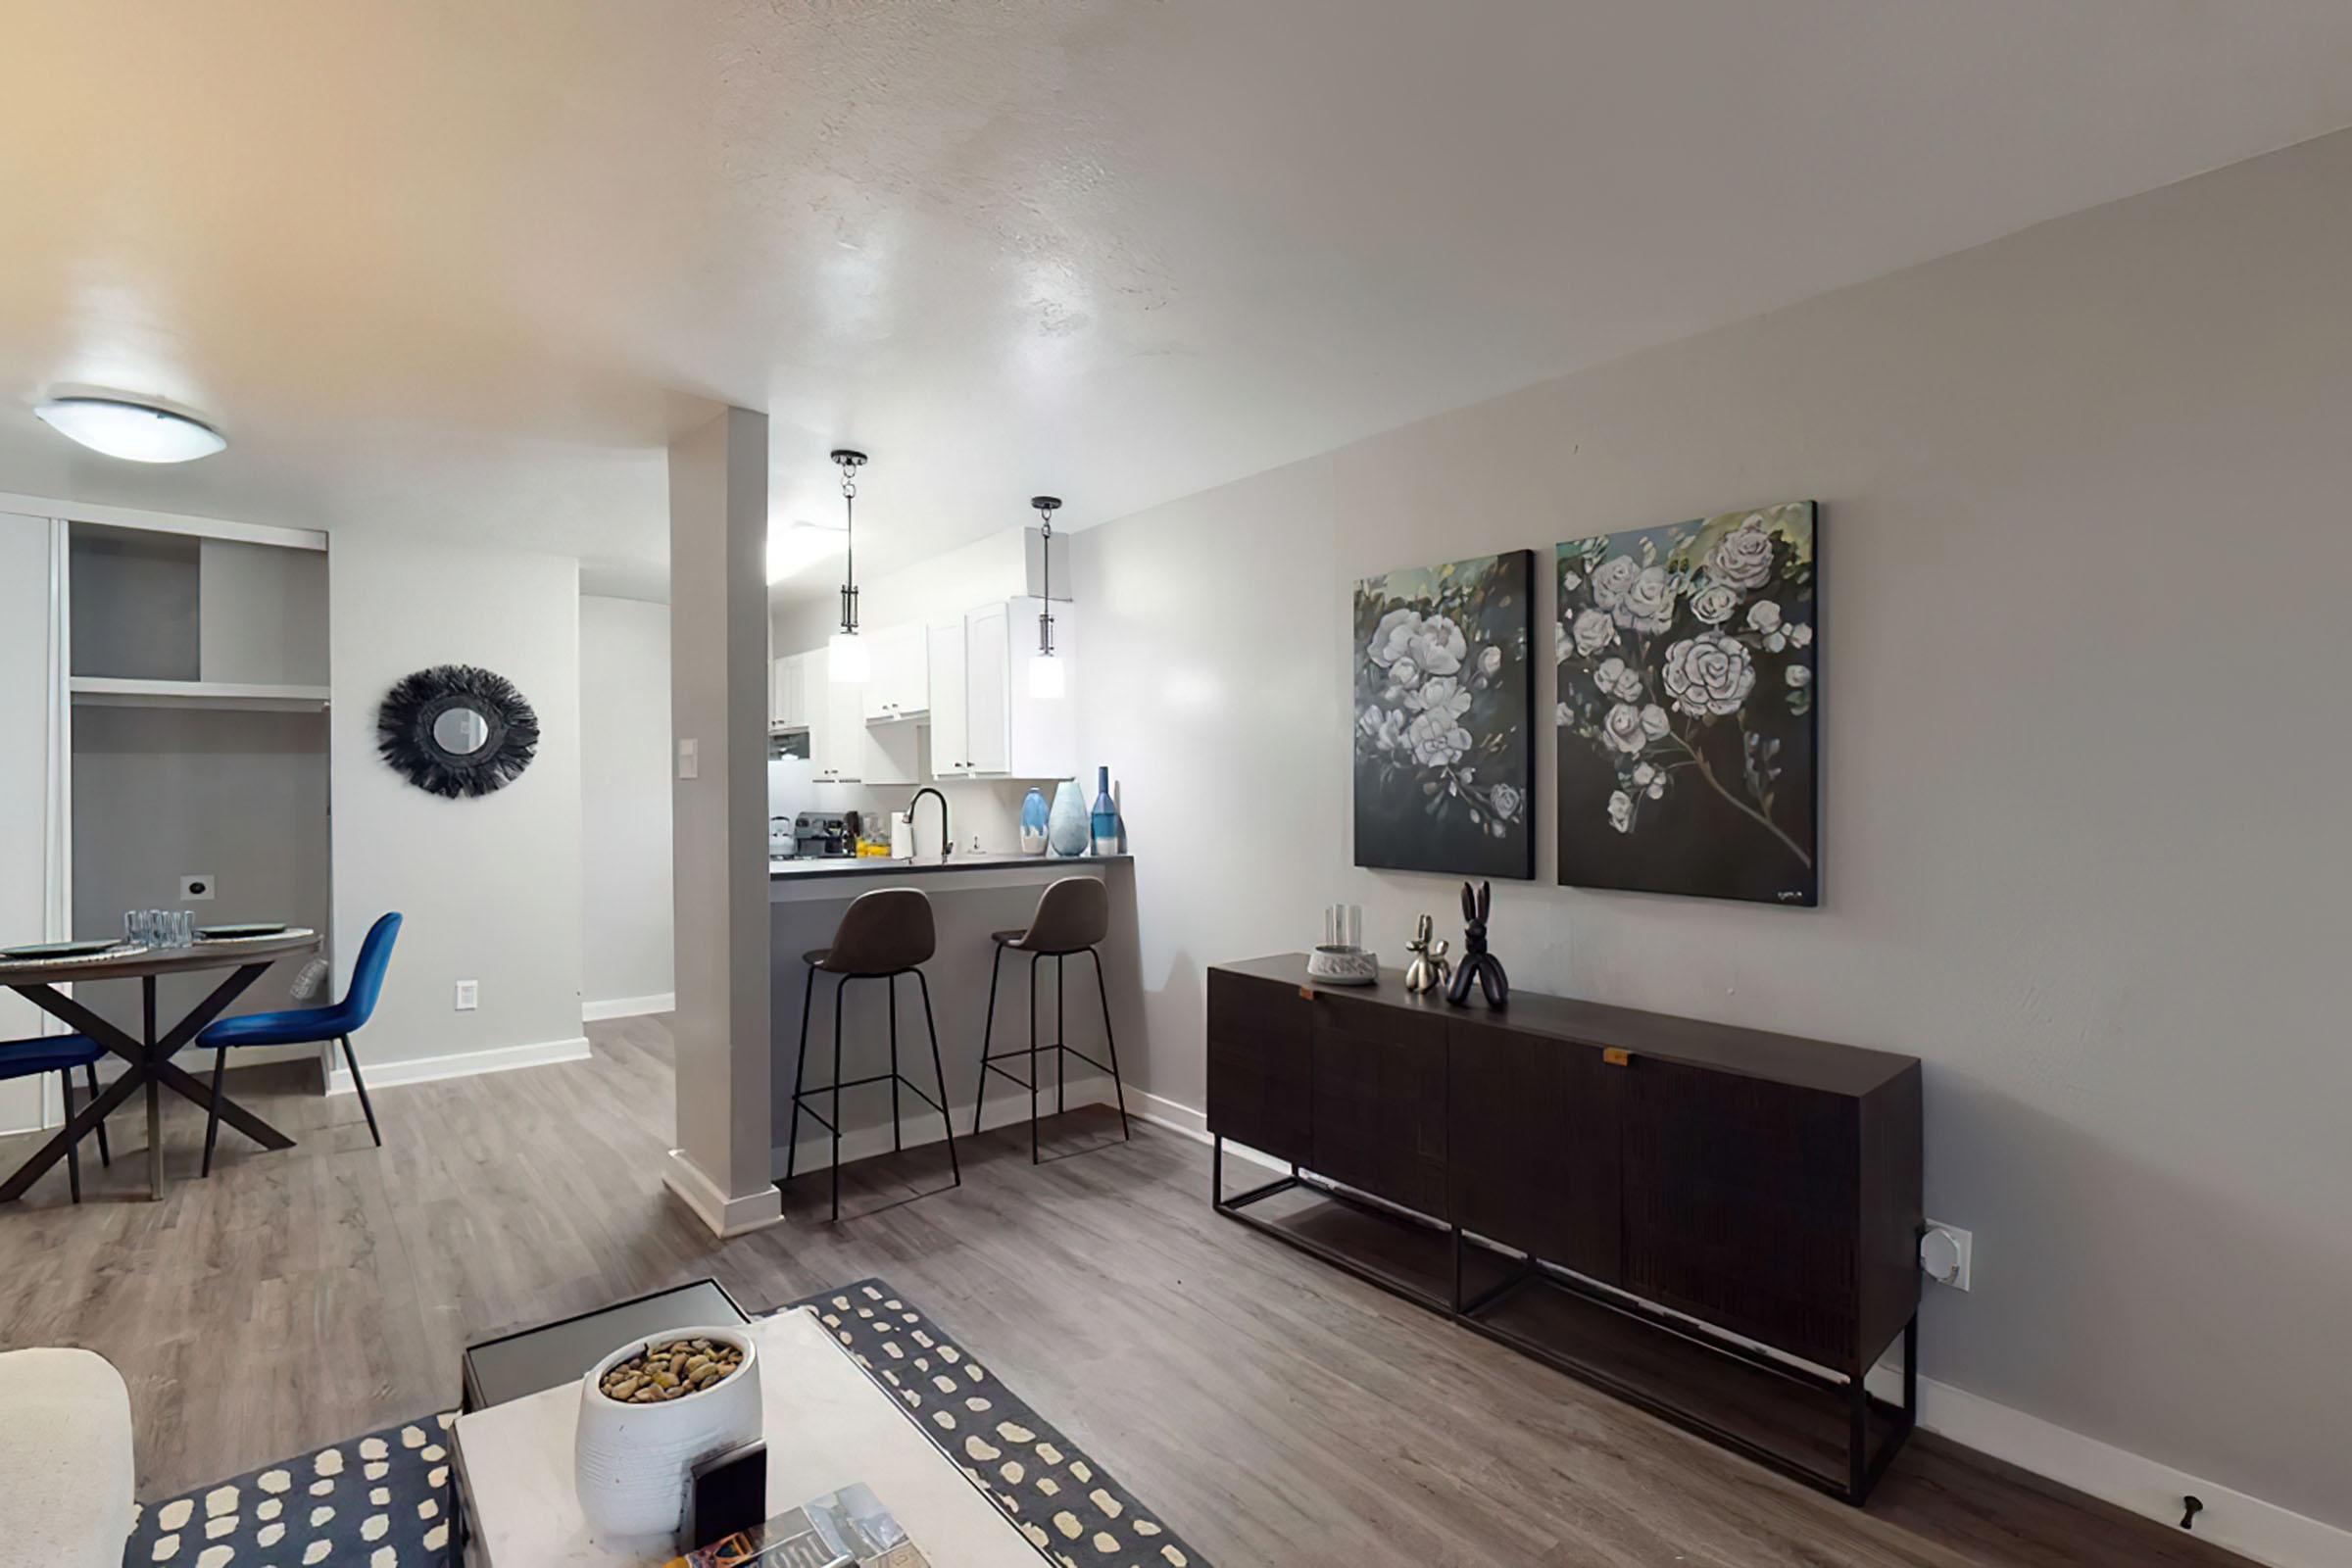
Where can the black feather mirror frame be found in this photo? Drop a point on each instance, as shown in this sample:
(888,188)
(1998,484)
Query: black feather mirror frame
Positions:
(457,730)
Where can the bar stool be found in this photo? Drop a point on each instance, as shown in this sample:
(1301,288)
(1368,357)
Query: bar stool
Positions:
(1073,916)
(883,935)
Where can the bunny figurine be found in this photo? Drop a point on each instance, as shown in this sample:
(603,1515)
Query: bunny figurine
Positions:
(1429,969)
(1478,966)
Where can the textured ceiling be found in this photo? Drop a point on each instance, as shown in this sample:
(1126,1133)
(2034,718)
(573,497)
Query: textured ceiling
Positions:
(462,268)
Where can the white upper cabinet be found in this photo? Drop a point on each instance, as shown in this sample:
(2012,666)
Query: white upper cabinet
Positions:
(984,724)
(950,758)
(899,685)
(788,693)
(836,723)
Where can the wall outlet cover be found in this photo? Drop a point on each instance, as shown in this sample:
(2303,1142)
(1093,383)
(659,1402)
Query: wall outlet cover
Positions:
(469,995)
(1945,1252)
(195,886)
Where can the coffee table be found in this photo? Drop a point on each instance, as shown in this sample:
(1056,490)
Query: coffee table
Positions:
(830,1424)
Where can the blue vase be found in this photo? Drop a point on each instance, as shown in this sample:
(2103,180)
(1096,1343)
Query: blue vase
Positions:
(1105,815)
(1033,822)
(1065,824)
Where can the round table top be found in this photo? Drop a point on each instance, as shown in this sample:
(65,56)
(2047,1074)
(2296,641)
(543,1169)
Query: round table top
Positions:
(129,961)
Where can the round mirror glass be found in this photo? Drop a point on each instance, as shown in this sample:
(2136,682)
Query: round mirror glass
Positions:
(461,731)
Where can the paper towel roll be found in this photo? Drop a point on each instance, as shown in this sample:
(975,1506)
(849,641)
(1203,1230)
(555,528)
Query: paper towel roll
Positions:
(902,836)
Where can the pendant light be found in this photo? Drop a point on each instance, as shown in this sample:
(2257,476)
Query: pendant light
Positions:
(1049,678)
(846,660)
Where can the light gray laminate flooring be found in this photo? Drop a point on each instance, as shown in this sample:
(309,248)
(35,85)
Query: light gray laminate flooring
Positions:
(1273,1409)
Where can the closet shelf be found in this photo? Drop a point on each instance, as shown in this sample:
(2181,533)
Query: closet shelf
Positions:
(108,691)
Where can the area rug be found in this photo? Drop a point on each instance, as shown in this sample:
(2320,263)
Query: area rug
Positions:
(379,1500)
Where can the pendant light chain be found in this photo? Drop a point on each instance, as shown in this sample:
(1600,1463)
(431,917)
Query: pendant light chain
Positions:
(851,461)
(1046,506)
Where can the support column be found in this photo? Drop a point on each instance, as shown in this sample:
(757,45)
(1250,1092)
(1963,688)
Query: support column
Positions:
(719,821)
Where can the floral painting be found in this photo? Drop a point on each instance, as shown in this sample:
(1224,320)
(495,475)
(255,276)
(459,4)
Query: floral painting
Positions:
(1687,708)
(1443,711)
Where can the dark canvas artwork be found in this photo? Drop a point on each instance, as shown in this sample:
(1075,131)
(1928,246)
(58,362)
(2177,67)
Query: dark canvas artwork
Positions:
(1687,708)
(1444,756)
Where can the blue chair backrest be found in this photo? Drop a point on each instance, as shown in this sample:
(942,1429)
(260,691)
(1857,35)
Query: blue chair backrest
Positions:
(368,975)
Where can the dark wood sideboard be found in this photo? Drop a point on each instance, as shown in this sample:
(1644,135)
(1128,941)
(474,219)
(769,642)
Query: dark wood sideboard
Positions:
(1718,1224)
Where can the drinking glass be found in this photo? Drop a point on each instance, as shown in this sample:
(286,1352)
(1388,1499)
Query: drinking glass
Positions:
(138,927)
(183,928)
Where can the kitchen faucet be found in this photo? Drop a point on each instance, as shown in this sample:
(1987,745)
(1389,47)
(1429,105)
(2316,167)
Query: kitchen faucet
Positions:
(946,840)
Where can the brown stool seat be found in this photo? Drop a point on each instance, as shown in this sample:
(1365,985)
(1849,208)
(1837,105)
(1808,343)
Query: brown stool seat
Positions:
(1073,916)
(883,935)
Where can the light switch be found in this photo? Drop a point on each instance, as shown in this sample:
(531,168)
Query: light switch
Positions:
(690,763)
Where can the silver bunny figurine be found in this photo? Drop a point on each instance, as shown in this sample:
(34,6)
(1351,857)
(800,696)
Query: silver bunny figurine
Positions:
(1429,969)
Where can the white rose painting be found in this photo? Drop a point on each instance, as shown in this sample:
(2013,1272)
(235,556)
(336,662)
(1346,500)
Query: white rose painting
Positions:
(1443,754)
(1688,690)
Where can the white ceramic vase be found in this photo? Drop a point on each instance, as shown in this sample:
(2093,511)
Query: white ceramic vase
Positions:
(632,1462)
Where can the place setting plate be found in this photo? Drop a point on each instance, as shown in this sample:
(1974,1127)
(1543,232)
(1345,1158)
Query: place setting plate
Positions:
(59,949)
(239,933)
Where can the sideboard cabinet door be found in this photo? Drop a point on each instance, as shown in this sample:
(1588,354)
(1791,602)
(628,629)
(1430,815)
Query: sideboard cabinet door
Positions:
(1260,1064)
(1742,1205)
(1534,1151)
(1380,1101)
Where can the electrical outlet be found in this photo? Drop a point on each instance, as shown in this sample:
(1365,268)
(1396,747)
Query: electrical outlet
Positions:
(1945,1252)
(195,887)
(469,995)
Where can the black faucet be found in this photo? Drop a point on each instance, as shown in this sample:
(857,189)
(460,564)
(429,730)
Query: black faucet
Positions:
(946,840)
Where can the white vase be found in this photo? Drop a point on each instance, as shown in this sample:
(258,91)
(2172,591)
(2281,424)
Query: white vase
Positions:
(631,1463)
(1065,824)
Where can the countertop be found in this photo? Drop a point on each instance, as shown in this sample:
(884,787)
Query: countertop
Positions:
(851,865)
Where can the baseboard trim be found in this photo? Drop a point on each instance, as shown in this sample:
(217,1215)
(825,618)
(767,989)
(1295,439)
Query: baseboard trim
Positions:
(463,1064)
(723,1216)
(627,1006)
(2262,1531)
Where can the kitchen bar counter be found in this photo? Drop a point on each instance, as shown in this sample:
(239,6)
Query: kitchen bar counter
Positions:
(853,865)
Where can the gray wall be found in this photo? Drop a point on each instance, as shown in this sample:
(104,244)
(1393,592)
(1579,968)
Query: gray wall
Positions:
(164,792)
(2083,500)
(624,799)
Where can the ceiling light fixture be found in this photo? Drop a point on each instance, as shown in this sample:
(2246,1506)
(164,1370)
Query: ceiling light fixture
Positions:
(846,660)
(123,427)
(1049,679)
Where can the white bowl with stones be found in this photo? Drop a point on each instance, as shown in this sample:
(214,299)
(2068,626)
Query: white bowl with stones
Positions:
(633,1458)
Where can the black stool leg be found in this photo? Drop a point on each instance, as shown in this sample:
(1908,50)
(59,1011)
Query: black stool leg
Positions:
(212,1117)
(1062,1040)
(361,1084)
(946,1123)
(839,986)
(898,1141)
(65,1076)
(1034,1074)
(800,1073)
(1111,1040)
(987,1032)
(89,1073)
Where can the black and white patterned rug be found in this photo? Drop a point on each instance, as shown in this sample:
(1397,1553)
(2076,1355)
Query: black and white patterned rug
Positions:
(380,1500)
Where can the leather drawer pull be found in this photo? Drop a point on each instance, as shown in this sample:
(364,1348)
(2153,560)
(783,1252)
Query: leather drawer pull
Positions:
(1616,1057)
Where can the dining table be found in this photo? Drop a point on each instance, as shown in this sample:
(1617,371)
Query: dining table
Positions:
(147,1055)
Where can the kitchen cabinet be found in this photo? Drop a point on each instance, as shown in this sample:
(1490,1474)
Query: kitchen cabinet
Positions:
(836,725)
(788,693)
(984,724)
(898,684)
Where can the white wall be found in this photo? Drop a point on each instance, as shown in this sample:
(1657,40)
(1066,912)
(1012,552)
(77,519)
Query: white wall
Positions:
(491,886)
(26,679)
(624,801)
(2084,497)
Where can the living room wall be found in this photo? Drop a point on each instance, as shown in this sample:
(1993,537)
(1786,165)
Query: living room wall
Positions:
(2082,495)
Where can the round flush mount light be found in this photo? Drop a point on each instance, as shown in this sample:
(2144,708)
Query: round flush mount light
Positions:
(135,431)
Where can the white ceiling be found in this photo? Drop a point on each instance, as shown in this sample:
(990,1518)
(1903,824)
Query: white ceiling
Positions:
(462,267)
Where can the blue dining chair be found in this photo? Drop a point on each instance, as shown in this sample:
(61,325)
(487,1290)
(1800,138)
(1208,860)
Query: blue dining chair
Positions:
(61,1054)
(302,1026)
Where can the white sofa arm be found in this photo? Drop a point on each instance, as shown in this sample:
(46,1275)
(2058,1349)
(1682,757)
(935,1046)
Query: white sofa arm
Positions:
(66,1472)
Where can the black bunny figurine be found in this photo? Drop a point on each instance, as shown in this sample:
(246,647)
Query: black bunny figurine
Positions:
(1477,962)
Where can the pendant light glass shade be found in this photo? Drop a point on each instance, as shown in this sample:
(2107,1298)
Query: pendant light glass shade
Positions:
(846,657)
(1048,680)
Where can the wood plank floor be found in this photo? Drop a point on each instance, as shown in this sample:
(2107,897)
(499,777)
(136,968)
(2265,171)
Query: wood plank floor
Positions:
(1272,1409)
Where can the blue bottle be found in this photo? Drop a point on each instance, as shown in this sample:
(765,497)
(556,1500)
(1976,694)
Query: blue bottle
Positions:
(1107,815)
(1033,822)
